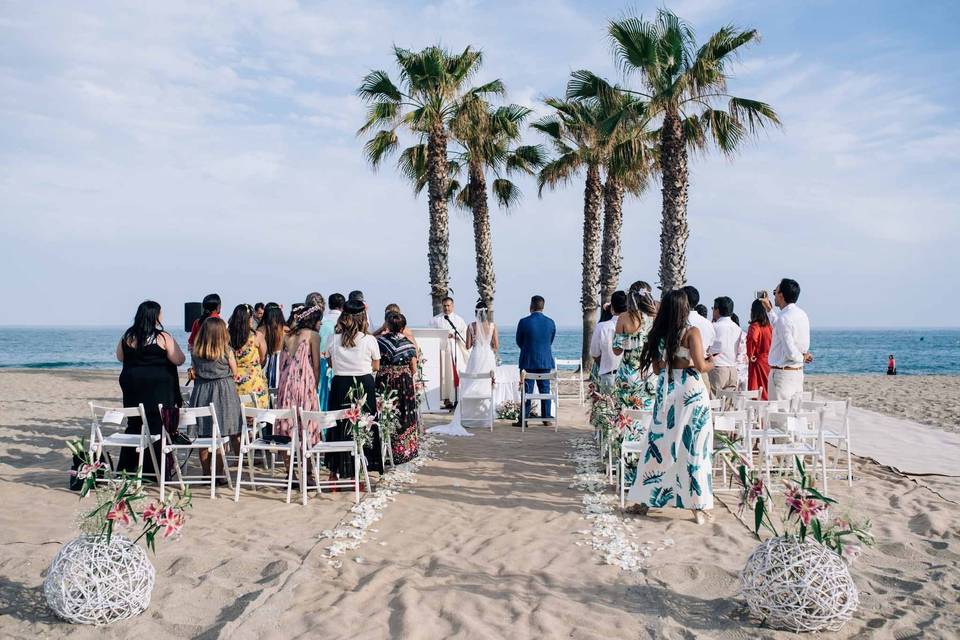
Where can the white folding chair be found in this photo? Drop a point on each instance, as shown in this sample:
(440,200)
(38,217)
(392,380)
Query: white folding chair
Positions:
(252,441)
(805,431)
(836,430)
(716,404)
(327,420)
(103,416)
(577,375)
(735,426)
(629,447)
(213,444)
(735,399)
(553,395)
(475,409)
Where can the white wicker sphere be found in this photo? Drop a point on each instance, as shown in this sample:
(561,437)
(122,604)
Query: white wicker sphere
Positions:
(92,582)
(799,586)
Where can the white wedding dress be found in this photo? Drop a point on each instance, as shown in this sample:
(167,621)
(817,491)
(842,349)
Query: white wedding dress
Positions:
(482,360)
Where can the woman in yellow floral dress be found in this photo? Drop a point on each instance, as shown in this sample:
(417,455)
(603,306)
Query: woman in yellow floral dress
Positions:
(250,349)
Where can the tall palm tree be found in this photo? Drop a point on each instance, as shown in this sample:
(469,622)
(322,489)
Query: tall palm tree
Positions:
(432,82)
(685,87)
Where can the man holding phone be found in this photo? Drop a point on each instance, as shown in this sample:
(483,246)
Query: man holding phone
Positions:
(790,346)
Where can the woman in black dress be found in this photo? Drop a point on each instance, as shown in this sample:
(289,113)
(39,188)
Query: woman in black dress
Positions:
(150,358)
(398,366)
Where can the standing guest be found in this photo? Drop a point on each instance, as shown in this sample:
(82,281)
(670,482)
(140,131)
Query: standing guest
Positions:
(334,307)
(891,366)
(327,327)
(456,354)
(272,329)
(257,315)
(211,307)
(634,386)
(724,348)
(390,309)
(356,296)
(250,349)
(698,321)
(676,468)
(398,368)
(601,344)
(150,358)
(702,310)
(215,366)
(535,335)
(759,335)
(790,344)
(742,372)
(294,310)
(299,369)
(355,356)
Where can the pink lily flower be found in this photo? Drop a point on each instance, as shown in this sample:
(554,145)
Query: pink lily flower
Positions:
(119,514)
(808,509)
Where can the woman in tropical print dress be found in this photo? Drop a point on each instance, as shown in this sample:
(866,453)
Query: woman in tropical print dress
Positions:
(250,350)
(676,469)
(398,366)
(633,386)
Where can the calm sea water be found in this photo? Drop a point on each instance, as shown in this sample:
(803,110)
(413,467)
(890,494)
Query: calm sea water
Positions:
(836,350)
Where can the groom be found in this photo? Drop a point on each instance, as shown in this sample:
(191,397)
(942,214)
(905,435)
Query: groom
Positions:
(535,335)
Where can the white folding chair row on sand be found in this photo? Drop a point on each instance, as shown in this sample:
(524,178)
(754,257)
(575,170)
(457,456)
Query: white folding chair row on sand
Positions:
(213,444)
(735,427)
(576,375)
(326,420)
(252,440)
(116,418)
(553,395)
(793,434)
(836,430)
(629,447)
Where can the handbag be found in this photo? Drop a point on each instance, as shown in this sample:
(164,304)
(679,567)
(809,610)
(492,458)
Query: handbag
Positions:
(170,417)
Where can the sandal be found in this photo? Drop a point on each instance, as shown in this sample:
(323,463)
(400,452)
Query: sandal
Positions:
(637,509)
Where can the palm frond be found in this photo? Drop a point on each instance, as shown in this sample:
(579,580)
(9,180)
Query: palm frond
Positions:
(377,86)
(724,130)
(412,164)
(381,145)
(381,113)
(506,192)
(559,171)
(526,159)
(753,114)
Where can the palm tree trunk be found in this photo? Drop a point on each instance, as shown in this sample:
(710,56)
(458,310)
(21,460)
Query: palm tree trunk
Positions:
(610,255)
(438,247)
(486,280)
(589,301)
(673,230)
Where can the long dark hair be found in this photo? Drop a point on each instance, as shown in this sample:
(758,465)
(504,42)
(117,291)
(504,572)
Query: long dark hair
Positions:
(758,314)
(272,325)
(668,327)
(211,303)
(239,325)
(640,301)
(146,325)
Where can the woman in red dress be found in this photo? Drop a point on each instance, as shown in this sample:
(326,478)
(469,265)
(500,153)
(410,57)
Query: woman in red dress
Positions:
(759,336)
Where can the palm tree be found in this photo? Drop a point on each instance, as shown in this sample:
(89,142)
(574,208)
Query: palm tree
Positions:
(432,82)
(684,86)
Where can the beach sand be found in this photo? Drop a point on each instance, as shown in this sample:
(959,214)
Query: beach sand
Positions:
(487,544)
(928,399)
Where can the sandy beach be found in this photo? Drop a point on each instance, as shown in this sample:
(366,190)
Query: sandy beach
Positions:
(928,399)
(489,542)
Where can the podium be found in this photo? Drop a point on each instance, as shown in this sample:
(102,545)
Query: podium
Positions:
(434,355)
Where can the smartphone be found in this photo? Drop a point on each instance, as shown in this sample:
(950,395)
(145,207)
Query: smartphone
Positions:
(762,294)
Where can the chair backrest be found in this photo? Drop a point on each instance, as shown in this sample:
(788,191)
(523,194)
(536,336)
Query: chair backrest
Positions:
(552,375)
(114,417)
(716,404)
(324,419)
(796,421)
(729,421)
(643,416)
(833,410)
(247,399)
(476,376)
(568,363)
(266,416)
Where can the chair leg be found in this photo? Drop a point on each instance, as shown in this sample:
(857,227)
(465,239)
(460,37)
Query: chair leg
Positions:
(226,467)
(213,471)
(356,476)
(316,473)
(140,465)
(163,472)
(236,487)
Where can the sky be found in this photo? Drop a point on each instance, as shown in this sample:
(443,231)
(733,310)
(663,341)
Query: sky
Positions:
(166,150)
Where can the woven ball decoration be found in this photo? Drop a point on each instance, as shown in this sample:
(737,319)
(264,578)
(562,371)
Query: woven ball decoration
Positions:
(798,586)
(92,582)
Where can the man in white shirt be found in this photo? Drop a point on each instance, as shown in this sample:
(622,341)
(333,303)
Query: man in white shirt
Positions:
(790,346)
(698,321)
(601,344)
(723,349)
(457,353)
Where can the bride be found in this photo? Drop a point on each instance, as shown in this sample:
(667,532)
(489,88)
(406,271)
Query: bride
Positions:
(483,342)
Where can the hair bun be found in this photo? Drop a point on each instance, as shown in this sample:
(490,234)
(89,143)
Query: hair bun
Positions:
(354,307)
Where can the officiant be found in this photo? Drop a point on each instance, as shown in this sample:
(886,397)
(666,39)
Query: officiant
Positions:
(457,353)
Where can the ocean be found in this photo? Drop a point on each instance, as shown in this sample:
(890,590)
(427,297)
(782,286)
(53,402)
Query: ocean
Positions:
(918,351)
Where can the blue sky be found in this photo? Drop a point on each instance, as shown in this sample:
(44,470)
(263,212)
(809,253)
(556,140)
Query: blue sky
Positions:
(166,150)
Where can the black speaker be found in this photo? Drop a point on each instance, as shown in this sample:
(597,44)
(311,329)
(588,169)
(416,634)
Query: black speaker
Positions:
(191,312)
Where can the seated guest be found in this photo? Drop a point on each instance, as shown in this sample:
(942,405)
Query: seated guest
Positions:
(723,350)
(699,321)
(398,369)
(215,367)
(355,356)
(150,358)
(250,350)
(601,344)
(272,329)
(758,349)
(299,370)
(790,344)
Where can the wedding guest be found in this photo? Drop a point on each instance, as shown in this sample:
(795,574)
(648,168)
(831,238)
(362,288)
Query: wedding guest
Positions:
(455,357)
(294,309)
(299,370)
(272,329)
(790,344)
(257,315)
(742,369)
(702,310)
(150,358)
(676,468)
(698,321)
(759,335)
(535,335)
(211,307)
(355,356)
(601,343)
(335,305)
(391,308)
(397,372)
(215,366)
(633,386)
(723,350)
(250,350)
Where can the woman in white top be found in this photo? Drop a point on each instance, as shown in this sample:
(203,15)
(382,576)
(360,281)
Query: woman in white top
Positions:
(354,357)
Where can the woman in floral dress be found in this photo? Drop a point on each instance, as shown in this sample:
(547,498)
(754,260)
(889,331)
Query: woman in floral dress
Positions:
(677,467)
(398,367)
(251,352)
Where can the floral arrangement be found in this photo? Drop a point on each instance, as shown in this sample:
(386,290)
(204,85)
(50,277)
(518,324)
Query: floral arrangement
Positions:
(388,416)
(118,504)
(806,511)
(604,413)
(420,382)
(509,410)
(361,422)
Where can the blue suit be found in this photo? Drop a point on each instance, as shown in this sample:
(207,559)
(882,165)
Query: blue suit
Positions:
(535,335)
